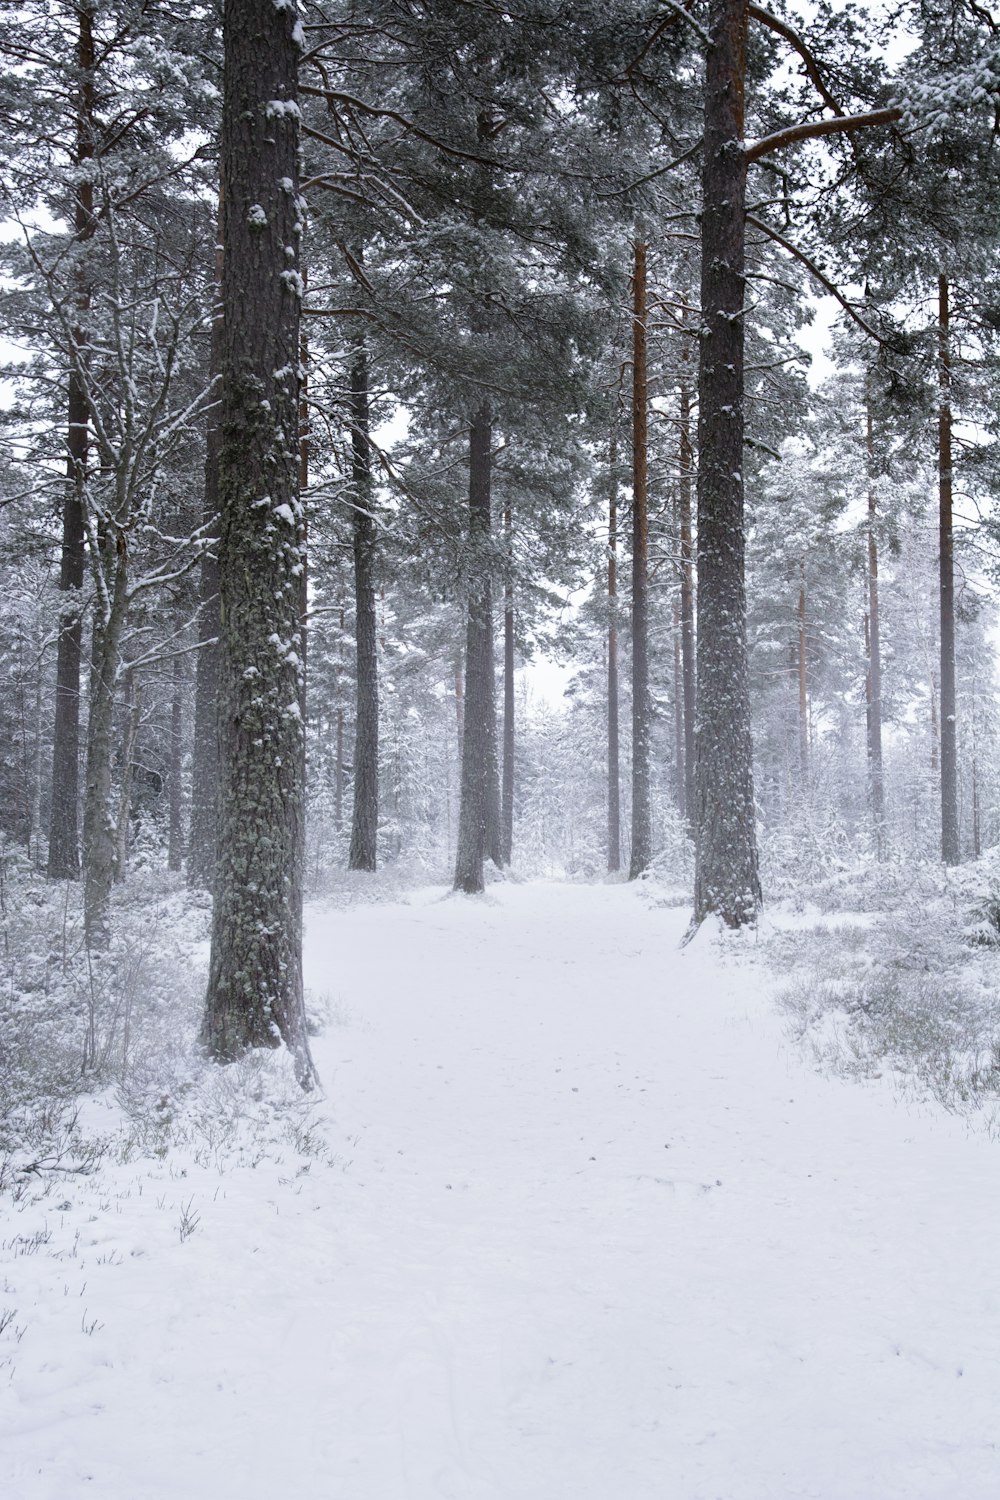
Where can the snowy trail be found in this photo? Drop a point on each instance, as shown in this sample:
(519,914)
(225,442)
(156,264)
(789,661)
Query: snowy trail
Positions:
(602,1235)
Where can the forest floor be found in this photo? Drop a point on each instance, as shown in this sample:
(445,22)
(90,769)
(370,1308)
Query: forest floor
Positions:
(576,1219)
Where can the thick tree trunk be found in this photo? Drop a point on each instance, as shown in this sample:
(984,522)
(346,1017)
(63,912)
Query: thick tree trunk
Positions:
(133,715)
(874,644)
(642,817)
(64,825)
(364,825)
(614,772)
(478,823)
(727,879)
(254,994)
(203,834)
(507,787)
(950,851)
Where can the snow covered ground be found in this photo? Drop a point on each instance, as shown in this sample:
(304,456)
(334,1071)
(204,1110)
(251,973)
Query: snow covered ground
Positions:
(593,1230)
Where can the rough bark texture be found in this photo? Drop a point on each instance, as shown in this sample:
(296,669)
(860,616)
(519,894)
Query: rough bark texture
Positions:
(507,780)
(480,794)
(642,818)
(614,771)
(727,880)
(99,823)
(364,825)
(64,825)
(950,852)
(255,975)
(205,751)
(874,644)
(133,718)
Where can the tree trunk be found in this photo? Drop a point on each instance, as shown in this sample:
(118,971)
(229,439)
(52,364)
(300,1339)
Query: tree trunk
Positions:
(680,768)
(133,715)
(254,994)
(507,791)
(64,825)
(614,774)
(950,852)
(727,879)
(803,695)
(642,822)
(203,833)
(175,836)
(364,825)
(874,677)
(479,789)
(99,844)
(687,584)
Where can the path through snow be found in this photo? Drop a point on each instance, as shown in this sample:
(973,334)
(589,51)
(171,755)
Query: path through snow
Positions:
(599,1234)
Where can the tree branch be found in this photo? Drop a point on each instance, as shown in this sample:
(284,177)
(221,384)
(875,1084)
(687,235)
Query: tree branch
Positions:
(808,130)
(774,23)
(823,280)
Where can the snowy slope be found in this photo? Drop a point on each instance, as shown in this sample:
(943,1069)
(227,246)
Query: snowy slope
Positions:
(595,1232)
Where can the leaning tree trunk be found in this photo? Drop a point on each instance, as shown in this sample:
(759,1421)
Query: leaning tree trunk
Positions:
(64,825)
(205,750)
(507,780)
(477,822)
(614,774)
(642,817)
(254,994)
(950,851)
(727,879)
(364,825)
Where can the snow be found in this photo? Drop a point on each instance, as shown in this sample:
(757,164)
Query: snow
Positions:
(592,1228)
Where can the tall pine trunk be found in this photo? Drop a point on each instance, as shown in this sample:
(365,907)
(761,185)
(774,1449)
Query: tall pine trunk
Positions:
(64,825)
(642,819)
(727,879)
(254,994)
(686,457)
(950,852)
(364,825)
(479,807)
(614,773)
(99,823)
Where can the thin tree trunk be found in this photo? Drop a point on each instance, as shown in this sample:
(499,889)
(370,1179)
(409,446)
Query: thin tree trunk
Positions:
(203,833)
(175,790)
(680,767)
(727,879)
(950,852)
(642,822)
(935,727)
(686,457)
(64,826)
(873,641)
(614,774)
(99,825)
(507,791)
(479,790)
(364,825)
(254,994)
(803,694)
(133,715)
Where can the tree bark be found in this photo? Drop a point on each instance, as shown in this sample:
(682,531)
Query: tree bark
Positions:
(803,676)
(478,824)
(686,457)
(507,782)
(203,833)
(873,639)
(99,844)
(364,824)
(642,822)
(254,994)
(727,879)
(64,825)
(175,791)
(133,716)
(950,852)
(614,772)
